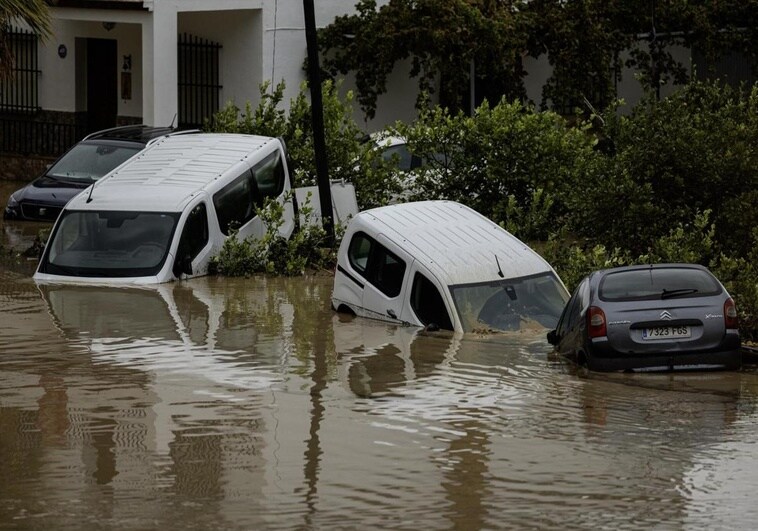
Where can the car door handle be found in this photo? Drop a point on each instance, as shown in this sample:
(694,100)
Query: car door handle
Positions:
(392,314)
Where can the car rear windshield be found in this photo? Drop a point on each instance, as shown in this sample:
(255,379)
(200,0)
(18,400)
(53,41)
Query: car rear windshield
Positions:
(658,283)
(109,244)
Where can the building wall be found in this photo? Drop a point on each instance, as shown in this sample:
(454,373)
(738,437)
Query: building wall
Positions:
(63,82)
(263,40)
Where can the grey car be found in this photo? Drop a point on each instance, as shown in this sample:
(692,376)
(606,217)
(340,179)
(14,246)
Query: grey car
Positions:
(650,318)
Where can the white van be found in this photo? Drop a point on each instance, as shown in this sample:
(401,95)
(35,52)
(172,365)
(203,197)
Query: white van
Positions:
(163,214)
(440,264)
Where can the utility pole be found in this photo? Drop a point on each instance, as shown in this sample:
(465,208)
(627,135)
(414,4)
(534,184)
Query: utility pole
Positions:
(317,113)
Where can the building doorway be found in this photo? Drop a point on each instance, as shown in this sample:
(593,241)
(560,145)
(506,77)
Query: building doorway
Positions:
(102,84)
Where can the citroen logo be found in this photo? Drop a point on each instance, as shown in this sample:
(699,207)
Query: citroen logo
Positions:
(42,211)
(665,315)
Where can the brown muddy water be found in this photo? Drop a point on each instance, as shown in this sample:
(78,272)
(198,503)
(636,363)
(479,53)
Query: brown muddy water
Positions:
(247,404)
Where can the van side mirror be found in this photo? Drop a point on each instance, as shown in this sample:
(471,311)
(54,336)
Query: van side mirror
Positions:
(552,337)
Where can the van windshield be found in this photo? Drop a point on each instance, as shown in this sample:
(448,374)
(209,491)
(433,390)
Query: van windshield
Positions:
(511,304)
(109,244)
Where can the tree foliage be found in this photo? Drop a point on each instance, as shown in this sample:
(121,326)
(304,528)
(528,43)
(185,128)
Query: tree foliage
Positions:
(439,38)
(587,42)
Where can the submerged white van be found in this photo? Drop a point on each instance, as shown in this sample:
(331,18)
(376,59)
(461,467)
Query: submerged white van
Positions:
(440,264)
(163,214)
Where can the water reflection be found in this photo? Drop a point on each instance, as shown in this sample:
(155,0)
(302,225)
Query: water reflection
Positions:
(247,403)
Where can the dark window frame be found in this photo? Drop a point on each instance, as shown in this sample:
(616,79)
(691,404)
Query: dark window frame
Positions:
(190,231)
(375,264)
(444,322)
(231,221)
(278,162)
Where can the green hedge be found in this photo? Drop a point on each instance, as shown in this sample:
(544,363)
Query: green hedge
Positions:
(675,180)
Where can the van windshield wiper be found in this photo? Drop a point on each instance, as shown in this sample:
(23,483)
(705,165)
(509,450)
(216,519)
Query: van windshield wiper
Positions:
(668,294)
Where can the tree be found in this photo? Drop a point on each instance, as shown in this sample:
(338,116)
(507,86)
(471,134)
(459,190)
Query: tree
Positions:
(586,42)
(441,38)
(32,12)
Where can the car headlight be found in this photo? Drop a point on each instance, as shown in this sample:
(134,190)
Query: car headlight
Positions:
(13,201)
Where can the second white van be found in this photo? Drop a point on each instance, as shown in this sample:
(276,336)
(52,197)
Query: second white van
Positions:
(442,265)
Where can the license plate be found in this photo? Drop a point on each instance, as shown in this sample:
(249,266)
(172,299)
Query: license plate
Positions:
(666,332)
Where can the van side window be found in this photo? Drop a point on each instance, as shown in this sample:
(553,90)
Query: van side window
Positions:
(357,253)
(235,203)
(194,236)
(269,176)
(389,271)
(427,303)
(377,264)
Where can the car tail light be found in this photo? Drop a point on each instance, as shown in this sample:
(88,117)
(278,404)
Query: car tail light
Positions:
(730,314)
(596,322)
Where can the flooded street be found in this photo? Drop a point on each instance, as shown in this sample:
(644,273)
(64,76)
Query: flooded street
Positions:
(248,404)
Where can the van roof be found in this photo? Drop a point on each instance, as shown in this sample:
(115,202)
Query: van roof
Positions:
(166,175)
(456,243)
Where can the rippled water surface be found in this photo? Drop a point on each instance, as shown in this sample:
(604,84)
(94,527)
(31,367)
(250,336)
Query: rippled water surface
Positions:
(248,404)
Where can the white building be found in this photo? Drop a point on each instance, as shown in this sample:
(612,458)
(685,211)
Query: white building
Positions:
(114,62)
(158,62)
(155,60)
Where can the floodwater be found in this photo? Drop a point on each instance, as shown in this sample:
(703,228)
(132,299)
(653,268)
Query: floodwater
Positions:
(247,404)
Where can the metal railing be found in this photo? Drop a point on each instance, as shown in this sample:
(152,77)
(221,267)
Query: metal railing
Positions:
(27,137)
(199,87)
(19,92)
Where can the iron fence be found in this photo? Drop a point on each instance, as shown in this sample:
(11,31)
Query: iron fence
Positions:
(199,87)
(28,137)
(19,92)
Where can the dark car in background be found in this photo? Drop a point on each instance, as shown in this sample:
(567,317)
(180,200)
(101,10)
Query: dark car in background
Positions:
(650,318)
(87,161)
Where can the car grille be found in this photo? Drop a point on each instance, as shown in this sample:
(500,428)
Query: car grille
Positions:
(40,212)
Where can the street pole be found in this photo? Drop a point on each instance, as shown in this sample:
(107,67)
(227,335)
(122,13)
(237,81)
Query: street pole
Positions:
(317,113)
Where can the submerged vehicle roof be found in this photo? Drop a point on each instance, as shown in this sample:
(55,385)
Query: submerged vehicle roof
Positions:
(170,171)
(454,241)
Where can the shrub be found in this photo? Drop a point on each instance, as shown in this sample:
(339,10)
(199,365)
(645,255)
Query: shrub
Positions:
(272,254)
(696,150)
(349,156)
(505,161)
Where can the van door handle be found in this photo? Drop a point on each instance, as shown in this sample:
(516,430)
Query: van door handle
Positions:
(392,314)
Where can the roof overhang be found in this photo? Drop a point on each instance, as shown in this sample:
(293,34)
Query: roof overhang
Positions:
(131,5)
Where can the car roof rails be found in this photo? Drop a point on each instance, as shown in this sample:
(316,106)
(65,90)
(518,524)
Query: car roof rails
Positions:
(174,133)
(137,133)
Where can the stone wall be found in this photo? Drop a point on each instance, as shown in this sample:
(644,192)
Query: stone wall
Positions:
(22,168)
(30,143)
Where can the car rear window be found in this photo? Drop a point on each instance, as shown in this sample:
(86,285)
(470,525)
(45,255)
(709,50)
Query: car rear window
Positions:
(658,283)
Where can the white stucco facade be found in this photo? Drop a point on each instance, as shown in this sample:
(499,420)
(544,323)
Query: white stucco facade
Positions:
(262,40)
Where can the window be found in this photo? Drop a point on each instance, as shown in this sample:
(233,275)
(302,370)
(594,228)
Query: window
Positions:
(508,304)
(235,203)
(86,162)
(269,176)
(427,303)
(377,264)
(194,236)
(110,243)
(389,271)
(358,251)
(577,305)
(658,283)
